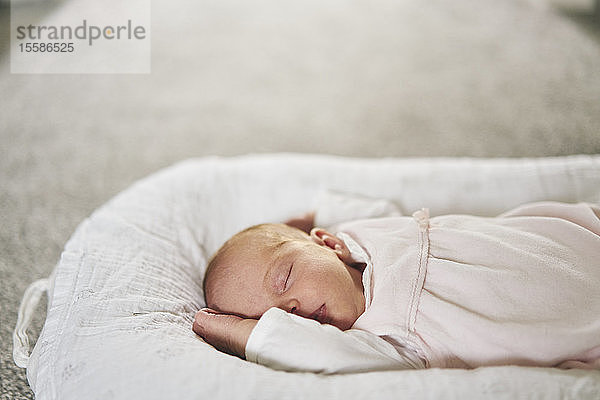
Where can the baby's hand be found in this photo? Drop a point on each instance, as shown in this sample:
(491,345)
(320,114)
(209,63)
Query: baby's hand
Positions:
(228,333)
(305,222)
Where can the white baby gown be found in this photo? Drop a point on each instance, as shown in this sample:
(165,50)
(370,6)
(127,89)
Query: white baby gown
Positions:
(458,291)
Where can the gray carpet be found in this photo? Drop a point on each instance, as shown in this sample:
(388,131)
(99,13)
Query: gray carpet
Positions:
(393,78)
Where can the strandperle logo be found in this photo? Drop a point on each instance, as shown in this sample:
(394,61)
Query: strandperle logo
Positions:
(85,31)
(82,37)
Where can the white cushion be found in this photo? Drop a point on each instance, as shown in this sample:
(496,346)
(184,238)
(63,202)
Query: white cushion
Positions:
(129,281)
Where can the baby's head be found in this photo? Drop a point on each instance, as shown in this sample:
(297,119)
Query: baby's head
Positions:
(275,265)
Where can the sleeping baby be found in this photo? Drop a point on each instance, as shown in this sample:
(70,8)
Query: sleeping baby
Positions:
(411,292)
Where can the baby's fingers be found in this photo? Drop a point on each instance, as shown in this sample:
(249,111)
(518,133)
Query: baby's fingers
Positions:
(228,333)
(208,322)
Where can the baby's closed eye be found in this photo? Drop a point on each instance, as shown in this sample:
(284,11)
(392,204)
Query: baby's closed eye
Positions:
(287,282)
(282,279)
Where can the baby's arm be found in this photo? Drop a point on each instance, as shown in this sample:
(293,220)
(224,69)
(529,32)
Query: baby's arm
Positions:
(332,208)
(586,215)
(289,342)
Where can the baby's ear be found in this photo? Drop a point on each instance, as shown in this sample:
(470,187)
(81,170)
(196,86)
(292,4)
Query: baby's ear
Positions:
(323,238)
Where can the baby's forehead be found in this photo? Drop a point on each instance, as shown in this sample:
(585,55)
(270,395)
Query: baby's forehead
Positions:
(248,252)
(239,276)
(265,241)
(254,249)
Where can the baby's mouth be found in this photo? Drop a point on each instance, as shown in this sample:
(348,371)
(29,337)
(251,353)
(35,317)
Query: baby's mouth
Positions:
(320,314)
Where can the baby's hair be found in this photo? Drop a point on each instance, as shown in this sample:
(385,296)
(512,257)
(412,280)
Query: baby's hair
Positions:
(267,235)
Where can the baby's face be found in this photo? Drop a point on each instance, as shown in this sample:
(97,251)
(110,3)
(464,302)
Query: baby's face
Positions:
(298,276)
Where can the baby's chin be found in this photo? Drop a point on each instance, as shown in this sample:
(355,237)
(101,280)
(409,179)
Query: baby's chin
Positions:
(344,324)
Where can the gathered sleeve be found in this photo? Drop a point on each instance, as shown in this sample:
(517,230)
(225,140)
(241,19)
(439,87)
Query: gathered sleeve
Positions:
(586,215)
(332,208)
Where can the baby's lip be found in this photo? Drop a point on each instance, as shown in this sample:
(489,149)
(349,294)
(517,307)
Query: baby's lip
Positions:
(320,314)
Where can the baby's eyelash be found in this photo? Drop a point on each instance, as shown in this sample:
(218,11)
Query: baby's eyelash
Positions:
(288,277)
